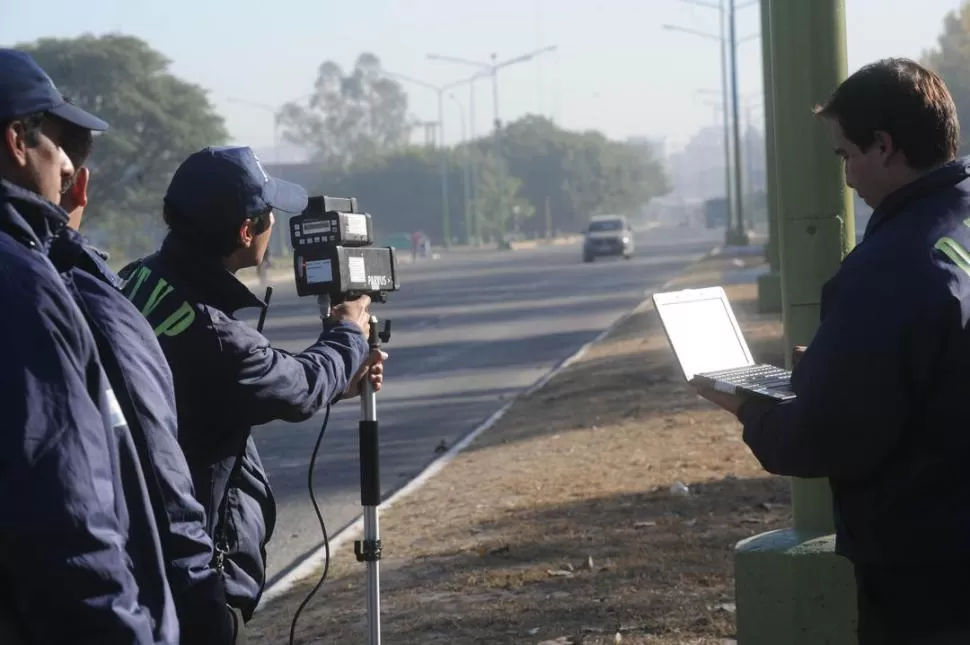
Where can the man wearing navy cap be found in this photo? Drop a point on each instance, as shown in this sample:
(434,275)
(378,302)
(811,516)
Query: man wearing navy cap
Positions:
(81,559)
(219,208)
(140,376)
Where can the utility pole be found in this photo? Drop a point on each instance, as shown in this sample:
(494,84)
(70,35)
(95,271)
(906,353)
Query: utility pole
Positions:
(739,236)
(792,589)
(491,69)
(769,284)
(735,232)
(442,148)
(466,169)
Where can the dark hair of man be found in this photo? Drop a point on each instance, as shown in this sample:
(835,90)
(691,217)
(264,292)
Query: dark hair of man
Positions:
(906,101)
(77,144)
(220,241)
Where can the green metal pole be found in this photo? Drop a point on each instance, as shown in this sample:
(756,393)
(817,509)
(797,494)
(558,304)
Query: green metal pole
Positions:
(443,156)
(816,215)
(769,284)
(739,235)
(726,115)
(791,587)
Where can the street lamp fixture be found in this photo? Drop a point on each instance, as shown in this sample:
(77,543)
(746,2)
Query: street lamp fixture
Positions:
(443,151)
(491,69)
(736,233)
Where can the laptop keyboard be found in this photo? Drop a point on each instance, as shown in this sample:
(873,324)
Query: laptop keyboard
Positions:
(759,376)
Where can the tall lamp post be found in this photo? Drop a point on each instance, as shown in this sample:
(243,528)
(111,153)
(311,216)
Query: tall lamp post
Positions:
(275,111)
(470,231)
(736,233)
(443,150)
(491,69)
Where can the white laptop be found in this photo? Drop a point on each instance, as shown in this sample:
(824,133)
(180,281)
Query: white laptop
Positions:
(707,340)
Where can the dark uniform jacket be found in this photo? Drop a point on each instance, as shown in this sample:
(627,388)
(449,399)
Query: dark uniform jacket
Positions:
(881,408)
(80,556)
(142,382)
(228,379)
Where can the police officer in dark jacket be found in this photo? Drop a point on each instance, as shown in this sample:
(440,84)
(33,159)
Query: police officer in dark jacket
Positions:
(142,381)
(81,558)
(219,207)
(881,407)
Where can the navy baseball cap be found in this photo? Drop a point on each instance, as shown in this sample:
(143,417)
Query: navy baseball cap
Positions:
(26,89)
(225,185)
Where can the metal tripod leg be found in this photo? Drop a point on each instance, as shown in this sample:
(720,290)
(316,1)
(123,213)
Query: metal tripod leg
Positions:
(368,550)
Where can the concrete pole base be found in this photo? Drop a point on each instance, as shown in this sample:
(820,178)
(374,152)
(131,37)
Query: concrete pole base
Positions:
(736,237)
(769,293)
(793,590)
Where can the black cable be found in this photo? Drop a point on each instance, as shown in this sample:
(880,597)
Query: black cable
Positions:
(323,527)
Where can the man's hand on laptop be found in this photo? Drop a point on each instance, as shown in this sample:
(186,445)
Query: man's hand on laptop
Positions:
(796,354)
(729,402)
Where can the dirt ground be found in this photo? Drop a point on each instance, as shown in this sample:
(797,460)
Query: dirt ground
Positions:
(603,508)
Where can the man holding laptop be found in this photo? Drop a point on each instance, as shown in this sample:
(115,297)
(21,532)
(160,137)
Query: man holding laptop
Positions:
(880,396)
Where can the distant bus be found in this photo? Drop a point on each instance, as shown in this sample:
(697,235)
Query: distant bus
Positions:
(716,213)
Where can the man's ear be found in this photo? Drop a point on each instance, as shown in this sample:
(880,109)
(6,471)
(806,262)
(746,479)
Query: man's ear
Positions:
(77,198)
(884,143)
(79,191)
(15,142)
(246,233)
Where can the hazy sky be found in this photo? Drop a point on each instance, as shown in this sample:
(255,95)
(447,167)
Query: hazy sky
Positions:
(615,69)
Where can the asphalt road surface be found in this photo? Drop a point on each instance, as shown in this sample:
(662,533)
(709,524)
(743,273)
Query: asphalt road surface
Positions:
(468,332)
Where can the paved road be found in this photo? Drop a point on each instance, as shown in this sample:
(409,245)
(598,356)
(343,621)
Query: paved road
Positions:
(467,333)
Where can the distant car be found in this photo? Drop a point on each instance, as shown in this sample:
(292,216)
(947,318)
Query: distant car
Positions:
(608,235)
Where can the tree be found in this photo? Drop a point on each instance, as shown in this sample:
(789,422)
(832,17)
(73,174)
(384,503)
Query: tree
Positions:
(580,173)
(499,201)
(353,118)
(156,120)
(951,60)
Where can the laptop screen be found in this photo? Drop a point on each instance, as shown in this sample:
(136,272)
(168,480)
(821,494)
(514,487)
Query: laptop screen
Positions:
(703,334)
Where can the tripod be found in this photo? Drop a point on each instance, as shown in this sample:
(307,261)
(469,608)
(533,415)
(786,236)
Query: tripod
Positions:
(368,550)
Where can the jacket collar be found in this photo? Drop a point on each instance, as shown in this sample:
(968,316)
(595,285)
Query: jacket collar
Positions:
(70,249)
(28,217)
(212,282)
(946,176)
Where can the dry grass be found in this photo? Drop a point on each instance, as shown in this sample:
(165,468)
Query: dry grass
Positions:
(560,521)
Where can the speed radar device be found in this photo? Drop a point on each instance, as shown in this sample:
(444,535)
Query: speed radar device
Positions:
(334,253)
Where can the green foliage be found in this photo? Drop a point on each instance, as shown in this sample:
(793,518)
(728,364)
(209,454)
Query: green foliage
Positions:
(581,174)
(499,199)
(350,119)
(156,121)
(951,60)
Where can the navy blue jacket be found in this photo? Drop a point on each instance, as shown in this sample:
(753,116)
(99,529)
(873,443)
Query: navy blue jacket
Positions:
(228,379)
(881,408)
(80,557)
(142,382)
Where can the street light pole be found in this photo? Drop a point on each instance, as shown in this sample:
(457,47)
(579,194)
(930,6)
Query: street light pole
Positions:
(465,168)
(725,104)
(275,111)
(740,234)
(473,169)
(276,121)
(492,69)
(735,232)
(443,150)
(443,160)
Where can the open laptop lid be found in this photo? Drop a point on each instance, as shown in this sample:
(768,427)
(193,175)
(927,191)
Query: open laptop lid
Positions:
(702,330)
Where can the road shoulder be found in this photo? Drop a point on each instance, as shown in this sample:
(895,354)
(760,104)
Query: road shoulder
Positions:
(608,501)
